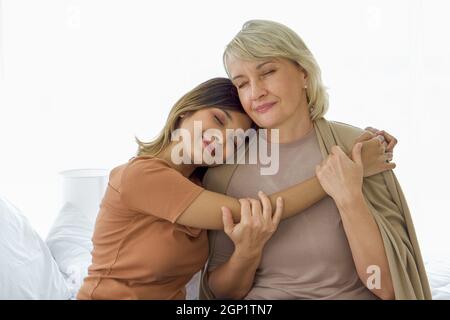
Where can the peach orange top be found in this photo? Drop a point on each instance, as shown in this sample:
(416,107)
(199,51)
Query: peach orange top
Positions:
(139,251)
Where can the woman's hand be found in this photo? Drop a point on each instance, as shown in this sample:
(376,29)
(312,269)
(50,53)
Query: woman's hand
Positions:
(234,278)
(377,151)
(340,176)
(256,226)
(389,140)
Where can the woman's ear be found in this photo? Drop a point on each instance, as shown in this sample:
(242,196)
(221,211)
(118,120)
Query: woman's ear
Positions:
(181,118)
(185,115)
(303,74)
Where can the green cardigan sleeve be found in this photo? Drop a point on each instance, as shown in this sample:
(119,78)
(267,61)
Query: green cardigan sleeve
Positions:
(388,205)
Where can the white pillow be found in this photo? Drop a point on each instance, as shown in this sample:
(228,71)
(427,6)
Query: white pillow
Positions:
(70,243)
(27,268)
(70,237)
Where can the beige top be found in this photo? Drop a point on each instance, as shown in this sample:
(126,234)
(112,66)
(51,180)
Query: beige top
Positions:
(139,251)
(309,256)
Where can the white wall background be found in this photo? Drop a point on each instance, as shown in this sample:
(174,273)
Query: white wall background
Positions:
(78,79)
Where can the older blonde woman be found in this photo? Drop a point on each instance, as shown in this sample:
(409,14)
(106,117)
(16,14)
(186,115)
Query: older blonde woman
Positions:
(358,243)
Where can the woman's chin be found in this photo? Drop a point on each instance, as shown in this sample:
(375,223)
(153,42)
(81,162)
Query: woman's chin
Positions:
(212,165)
(268,123)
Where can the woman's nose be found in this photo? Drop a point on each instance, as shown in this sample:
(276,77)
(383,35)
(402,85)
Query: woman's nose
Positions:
(215,137)
(258,90)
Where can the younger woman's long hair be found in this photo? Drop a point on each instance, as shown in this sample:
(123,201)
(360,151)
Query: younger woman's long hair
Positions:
(216,92)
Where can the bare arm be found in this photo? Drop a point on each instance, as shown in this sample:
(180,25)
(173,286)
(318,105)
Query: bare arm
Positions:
(234,278)
(342,179)
(205,210)
(366,245)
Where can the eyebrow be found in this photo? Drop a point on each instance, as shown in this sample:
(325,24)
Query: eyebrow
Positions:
(259,66)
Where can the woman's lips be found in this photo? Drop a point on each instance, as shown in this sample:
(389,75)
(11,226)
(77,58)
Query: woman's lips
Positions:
(263,108)
(209,146)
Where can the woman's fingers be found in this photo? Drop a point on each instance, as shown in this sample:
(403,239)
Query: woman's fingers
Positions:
(278,211)
(227,218)
(391,145)
(390,139)
(356,153)
(256,208)
(383,144)
(391,165)
(246,211)
(385,162)
(257,215)
(389,156)
(266,206)
(372,130)
(366,135)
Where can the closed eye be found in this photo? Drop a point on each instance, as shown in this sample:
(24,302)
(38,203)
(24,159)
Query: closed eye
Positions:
(218,120)
(242,85)
(268,72)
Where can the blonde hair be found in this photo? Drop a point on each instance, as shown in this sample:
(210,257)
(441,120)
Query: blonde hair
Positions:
(263,39)
(216,92)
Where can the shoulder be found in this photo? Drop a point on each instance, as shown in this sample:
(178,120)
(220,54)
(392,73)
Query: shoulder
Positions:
(147,161)
(147,164)
(345,134)
(148,169)
(345,130)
